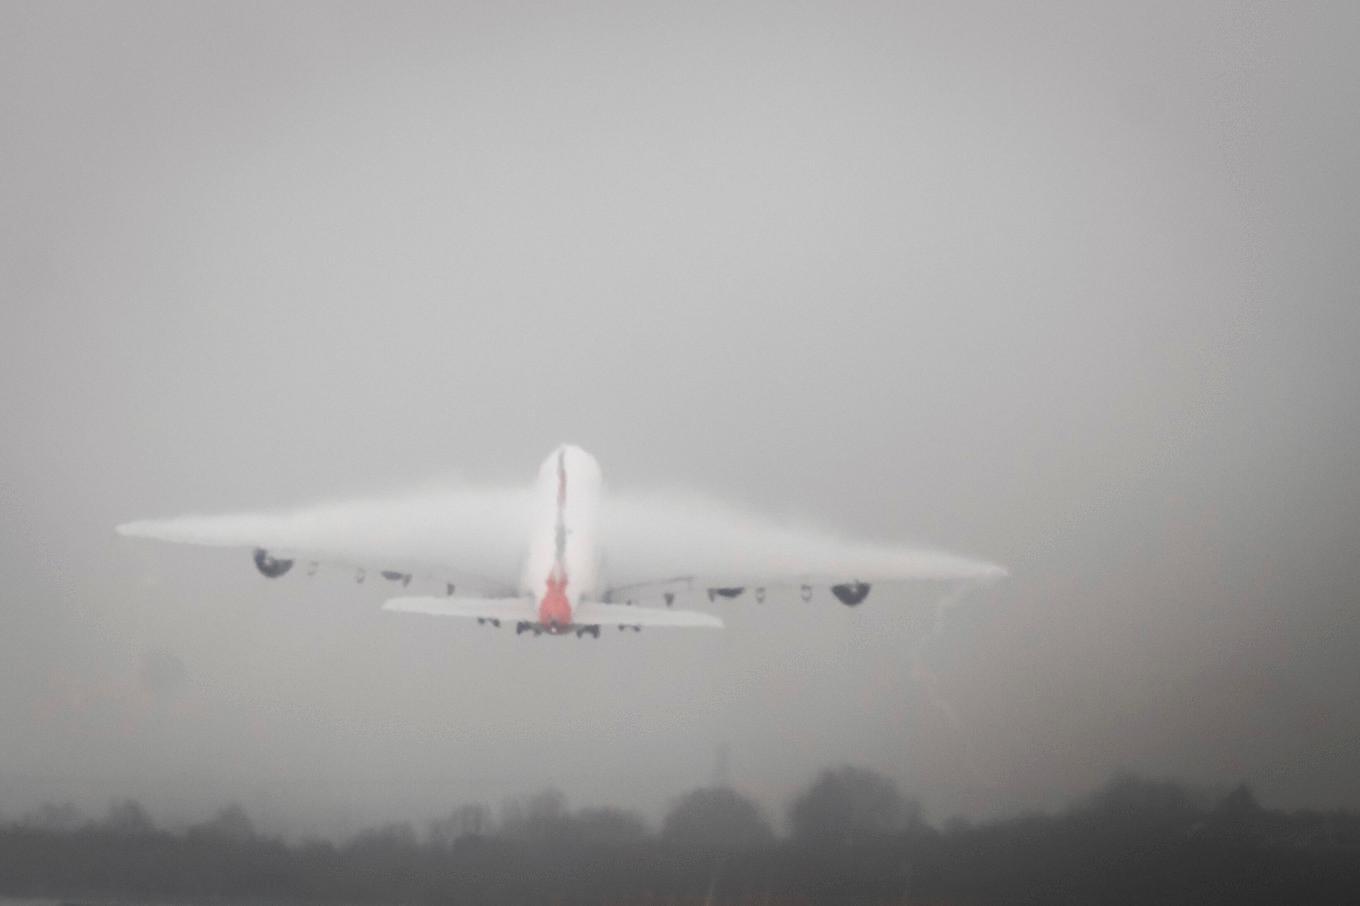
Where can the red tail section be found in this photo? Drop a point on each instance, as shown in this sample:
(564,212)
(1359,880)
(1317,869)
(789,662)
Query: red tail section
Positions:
(554,611)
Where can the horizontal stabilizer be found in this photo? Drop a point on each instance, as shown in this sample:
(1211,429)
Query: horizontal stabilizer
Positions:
(483,608)
(591,613)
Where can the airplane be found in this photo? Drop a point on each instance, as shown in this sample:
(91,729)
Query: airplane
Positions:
(589,557)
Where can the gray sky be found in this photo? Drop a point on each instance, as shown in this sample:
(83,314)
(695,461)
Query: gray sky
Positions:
(1070,289)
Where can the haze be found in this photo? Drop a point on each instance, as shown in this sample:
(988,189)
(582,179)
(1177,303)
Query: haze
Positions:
(1072,290)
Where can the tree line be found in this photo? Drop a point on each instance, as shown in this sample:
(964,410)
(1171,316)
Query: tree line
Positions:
(851,838)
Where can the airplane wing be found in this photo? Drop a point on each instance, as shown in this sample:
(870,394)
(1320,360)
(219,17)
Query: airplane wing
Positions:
(663,542)
(587,613)
(472,536)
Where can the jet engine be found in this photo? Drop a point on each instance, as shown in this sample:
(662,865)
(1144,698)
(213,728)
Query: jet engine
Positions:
(851,593)
(270,567)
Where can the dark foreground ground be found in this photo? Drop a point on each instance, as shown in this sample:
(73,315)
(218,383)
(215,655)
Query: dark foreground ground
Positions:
(1133,843)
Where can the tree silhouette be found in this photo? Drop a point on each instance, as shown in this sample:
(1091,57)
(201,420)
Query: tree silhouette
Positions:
(1128,800)
(1132,841)
(847,804)
(396,837)
(1239,815)
(53,816)
(229,825)
(716,816)
(126,817)
(607,827)
(473,820)
(541,816)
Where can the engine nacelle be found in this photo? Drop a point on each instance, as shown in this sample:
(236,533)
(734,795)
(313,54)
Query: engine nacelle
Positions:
(851,593)
(270,567)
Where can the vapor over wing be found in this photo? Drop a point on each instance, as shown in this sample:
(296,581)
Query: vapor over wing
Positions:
(663,539)
(472,533)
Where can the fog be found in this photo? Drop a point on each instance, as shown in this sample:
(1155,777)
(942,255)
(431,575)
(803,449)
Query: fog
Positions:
(1068,289)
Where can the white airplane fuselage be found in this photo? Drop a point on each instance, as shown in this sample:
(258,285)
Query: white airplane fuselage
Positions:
(563,565)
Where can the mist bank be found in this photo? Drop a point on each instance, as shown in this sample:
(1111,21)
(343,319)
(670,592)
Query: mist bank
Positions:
(849,837)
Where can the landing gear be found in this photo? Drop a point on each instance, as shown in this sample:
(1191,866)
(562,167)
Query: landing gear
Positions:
(521,627)
(583,631)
